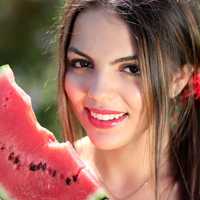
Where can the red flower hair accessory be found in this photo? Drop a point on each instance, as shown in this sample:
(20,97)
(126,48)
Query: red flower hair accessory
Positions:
(195,82)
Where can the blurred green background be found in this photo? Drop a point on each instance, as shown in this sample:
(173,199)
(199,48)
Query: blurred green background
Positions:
(28,30)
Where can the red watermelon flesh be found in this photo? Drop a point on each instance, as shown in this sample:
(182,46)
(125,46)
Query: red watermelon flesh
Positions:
(34,165)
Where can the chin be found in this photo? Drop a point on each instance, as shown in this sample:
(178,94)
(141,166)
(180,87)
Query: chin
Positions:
(105,142)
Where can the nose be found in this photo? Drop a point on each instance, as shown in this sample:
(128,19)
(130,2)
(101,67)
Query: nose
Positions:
(101,88)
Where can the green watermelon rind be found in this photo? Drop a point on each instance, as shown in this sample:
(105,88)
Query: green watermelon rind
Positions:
(4,194)
(99,195)
(6,71)
(4,68)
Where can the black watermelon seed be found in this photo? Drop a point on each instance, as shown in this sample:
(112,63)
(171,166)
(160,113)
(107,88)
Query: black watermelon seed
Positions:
(3,147)
(54,172)
(16,160)
(11,156)
(75,178)
(68,181)
(32,167)
(39,166)
(44,166)
(49,171)
(105,198)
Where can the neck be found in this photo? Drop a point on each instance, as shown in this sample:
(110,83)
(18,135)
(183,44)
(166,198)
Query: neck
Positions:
(128,159)
(127,167)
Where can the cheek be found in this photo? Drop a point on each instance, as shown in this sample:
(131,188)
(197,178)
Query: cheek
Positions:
(132,93)
(136,102)
(74,89)
(133,98)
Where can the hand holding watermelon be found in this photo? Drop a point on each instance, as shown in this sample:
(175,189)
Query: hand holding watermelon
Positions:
(34,166)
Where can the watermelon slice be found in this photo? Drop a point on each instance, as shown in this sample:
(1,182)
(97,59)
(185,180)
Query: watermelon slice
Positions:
(34,165)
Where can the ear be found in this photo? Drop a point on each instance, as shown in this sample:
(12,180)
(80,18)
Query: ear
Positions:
(180,79)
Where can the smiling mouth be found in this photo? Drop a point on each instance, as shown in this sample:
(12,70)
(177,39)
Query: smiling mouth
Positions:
(100,120)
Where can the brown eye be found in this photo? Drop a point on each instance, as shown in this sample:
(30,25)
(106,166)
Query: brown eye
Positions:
(132,69)
(80,63)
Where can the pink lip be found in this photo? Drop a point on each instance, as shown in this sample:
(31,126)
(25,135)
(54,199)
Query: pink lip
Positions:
(105,124)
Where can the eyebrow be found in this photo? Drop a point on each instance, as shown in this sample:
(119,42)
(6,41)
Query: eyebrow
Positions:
(124,59)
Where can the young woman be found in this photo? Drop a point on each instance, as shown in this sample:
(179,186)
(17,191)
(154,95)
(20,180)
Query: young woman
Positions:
(128,80)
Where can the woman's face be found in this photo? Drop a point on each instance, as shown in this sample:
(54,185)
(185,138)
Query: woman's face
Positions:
(103,81)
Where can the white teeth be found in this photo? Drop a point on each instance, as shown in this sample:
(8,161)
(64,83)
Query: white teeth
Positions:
(106,116)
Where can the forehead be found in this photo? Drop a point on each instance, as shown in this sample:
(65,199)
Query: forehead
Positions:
(100,31)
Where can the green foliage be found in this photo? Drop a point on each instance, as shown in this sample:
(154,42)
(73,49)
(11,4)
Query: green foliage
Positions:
(28,31)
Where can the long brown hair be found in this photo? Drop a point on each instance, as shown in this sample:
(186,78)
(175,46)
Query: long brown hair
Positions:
(163,30)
